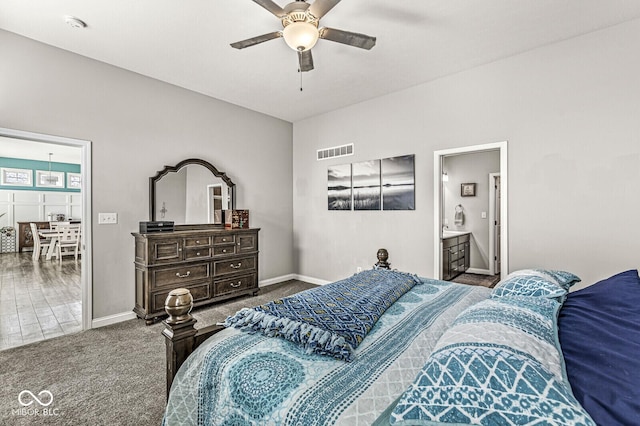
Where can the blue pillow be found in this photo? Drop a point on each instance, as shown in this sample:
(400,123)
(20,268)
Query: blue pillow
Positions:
(599,330)
(499,364)
(528,285)
(563,278)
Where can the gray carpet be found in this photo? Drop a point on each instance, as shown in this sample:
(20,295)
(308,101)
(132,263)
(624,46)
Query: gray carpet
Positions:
(113,375)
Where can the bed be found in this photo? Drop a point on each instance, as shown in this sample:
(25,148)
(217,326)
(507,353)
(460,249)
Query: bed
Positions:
(411,351)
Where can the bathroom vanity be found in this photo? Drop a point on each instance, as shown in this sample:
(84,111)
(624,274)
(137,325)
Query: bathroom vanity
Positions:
(456,253)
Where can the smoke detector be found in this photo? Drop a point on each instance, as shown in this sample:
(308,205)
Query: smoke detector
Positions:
(74,22)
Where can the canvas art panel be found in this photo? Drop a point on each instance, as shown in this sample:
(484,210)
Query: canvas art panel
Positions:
(339,187)
(398,183)
(366,185)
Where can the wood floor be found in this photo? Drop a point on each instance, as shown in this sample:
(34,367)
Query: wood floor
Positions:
(38,300)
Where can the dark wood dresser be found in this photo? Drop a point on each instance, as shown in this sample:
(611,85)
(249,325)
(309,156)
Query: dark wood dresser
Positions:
(213,263)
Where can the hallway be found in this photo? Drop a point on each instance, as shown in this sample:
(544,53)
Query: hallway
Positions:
(38,300)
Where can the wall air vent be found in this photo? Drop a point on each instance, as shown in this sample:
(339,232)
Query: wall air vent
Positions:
(336,151)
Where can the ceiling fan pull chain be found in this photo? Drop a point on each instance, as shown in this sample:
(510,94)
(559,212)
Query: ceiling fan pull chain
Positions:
(300,66)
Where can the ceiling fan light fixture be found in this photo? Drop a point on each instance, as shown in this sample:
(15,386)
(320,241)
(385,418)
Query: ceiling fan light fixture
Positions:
(300,36)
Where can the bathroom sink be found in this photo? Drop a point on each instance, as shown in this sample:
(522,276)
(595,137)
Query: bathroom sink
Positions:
(448,234)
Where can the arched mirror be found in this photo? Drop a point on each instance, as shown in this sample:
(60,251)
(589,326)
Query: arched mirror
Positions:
(191,192)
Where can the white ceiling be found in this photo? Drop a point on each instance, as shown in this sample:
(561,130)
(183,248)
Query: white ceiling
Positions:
(186,43)
(30,150)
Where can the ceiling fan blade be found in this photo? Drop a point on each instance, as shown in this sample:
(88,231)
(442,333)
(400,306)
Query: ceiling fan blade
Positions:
(362,41)
(319,8)
(256,40)
(271,7)
(305,60)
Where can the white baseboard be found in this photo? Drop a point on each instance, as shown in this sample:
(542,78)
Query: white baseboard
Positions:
(277,280)
(112,319)
(311,280)
(478,271)
(288,277)
(124,316)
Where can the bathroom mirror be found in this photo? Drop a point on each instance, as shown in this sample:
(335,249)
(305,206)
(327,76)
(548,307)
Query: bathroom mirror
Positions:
(191,192)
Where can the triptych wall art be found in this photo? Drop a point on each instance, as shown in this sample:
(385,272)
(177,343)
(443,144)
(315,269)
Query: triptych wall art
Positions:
(387,184)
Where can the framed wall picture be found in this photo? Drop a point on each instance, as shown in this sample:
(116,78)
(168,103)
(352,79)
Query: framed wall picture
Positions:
(48,179)
(74,180)
(16,177)
(467,189)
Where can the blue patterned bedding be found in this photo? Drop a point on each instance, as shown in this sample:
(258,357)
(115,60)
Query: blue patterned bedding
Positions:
(238,378)
(500,363)
(329,320)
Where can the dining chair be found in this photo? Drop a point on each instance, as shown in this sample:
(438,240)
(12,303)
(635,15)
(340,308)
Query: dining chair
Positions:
(68,240)
(39,246)
(54,225)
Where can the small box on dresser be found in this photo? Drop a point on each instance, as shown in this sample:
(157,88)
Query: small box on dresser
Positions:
(214,263)
(236,219)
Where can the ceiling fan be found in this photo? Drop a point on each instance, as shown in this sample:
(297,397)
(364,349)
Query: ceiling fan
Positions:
(300,22)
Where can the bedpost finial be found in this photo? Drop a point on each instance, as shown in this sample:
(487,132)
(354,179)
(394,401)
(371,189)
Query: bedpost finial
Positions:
(178,305)
(383,256)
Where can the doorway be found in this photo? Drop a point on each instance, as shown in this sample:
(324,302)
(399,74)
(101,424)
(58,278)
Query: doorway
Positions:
(18,137)
(501,243)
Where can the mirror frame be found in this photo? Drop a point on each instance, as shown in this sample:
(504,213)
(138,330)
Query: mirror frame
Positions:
(169,169)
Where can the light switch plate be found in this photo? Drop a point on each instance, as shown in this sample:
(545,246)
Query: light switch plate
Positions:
(107,218)
(484,215)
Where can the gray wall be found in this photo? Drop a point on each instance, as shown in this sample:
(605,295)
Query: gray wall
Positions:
(471,168)
(570,113)
(138,125)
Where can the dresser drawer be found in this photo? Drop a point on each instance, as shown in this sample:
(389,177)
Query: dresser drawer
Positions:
(167,250)
(174,276)
(199,291)
(224,239)
(232,266)
(197,241)
(247,242)
(222,287)
(454,254)
(449,242)
(197,252)
(224,250)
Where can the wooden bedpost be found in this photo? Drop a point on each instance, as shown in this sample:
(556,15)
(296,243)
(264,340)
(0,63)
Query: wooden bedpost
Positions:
(181,336)
(179,330)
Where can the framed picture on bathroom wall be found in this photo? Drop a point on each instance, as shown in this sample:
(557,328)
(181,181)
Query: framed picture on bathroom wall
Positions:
(467,189)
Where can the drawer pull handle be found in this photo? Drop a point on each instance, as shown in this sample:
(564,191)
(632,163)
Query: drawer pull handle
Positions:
(197,241)
(236,266)
(236,285)
(238,244)
(224,240)
(183,275)
(224,250)
(198,253)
